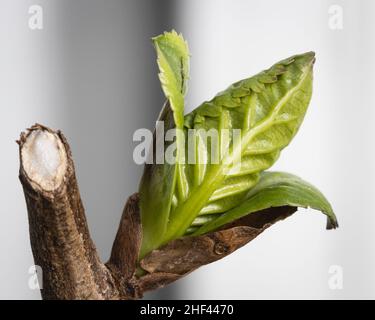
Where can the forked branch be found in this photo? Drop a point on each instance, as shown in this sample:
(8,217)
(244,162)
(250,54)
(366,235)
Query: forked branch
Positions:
(62,245)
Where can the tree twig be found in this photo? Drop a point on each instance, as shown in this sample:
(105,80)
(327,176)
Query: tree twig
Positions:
(62,246)
(59,235)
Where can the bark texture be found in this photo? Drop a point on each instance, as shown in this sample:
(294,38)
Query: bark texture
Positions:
(62,246)
(60,238)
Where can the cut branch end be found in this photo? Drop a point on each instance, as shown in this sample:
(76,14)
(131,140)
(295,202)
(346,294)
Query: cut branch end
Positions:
(43,158)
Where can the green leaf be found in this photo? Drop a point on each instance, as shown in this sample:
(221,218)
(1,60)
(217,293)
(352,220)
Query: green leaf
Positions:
(173,61)
(275,189)
(159,180)
(156,190)
(268,110)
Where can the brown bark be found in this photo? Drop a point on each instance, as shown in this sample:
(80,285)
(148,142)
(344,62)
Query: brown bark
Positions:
(62,246)
(60,238)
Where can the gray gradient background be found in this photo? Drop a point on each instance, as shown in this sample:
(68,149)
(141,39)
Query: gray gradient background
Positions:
(91,72)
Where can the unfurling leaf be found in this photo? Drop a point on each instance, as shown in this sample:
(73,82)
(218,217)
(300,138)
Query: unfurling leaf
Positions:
(276,189)
(159,180)
(254,119)
(173,61)
(156,190)
(268,109)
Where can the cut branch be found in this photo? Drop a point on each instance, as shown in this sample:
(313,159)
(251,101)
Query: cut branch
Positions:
(63,248)
(59,235)
(184,255)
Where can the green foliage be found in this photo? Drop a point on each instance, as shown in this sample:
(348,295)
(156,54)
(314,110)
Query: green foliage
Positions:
(225,180)
(275,189)
(173,61)
(159,180)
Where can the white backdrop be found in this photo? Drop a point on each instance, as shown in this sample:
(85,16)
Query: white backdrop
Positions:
(91,72)
(334,148)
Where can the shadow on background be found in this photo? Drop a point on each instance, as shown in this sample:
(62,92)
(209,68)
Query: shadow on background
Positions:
(110,89)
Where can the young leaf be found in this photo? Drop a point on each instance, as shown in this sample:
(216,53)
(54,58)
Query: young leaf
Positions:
(159,180)
(275,189)
(173,61)
(268,109)
(156,190)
